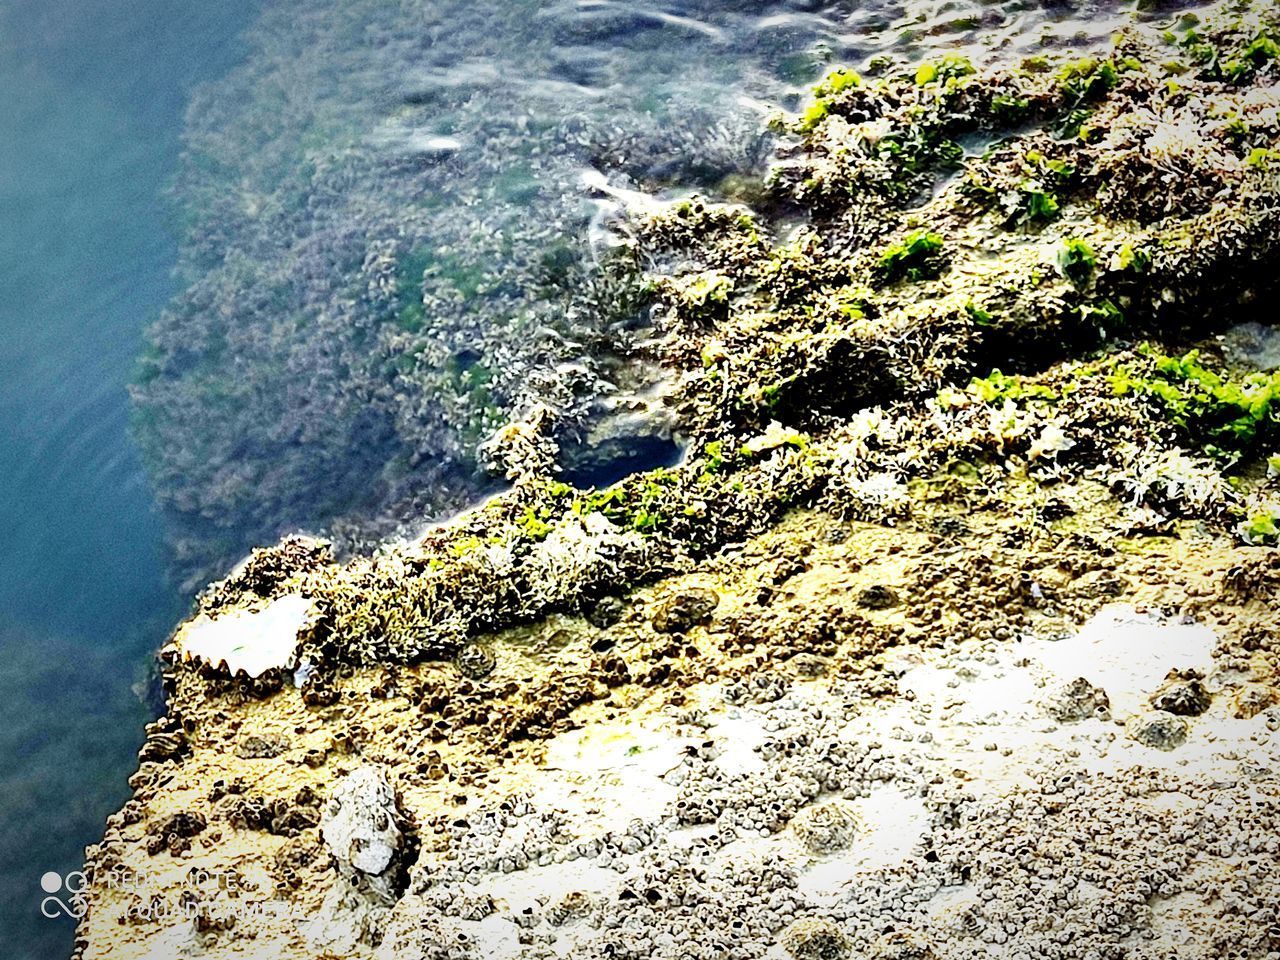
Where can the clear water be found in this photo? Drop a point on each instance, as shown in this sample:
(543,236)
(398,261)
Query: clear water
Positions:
(94,93)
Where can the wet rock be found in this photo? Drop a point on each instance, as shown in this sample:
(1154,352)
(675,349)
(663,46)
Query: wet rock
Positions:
(1158,729)
(826,827)
(1183,693)
(633,434)
(1078,700)
(815,939)
(685,610)
(877,597)
(476,660)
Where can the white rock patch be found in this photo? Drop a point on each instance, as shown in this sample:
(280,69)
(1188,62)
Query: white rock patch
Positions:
(1127,653)
(252,641)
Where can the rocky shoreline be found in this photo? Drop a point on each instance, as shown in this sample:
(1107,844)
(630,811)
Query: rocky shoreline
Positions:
(952,633)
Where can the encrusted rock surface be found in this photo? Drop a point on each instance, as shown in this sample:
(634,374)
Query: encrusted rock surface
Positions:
(908,657)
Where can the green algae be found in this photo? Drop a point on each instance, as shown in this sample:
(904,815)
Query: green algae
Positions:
(948,70)
(916,257)
(1228,416)
(1077,262)
(1262,527)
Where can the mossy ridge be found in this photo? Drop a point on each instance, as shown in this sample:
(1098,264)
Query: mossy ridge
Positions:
(1107,260)
(545,547)
(1230,417)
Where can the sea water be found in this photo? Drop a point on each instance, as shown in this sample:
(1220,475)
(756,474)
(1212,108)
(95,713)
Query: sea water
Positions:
(93,99)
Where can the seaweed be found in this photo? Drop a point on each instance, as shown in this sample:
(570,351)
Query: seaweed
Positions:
(916,257)
(1228,417)
(1077,262)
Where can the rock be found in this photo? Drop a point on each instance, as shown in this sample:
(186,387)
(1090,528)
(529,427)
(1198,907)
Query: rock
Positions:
(877,597)
(1158,729)
(685,610)
(1183,693)
(1251,699)
(826,827)
(632,434)
(360,825)
(174,833)
(1101,584)
(347,919)
(369,840)
(571,908)
(261,748)
(901,945)
(606,613)
(476,660)
(1078,700)
(252,641)
(165,741)
(264,572)
(814,938)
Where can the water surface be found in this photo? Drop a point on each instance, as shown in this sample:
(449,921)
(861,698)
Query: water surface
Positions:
(89,134)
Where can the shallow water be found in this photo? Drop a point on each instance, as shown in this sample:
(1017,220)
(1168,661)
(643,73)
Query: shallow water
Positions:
(94,91)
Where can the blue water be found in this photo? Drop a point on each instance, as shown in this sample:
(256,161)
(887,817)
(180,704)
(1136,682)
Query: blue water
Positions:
(94,92)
